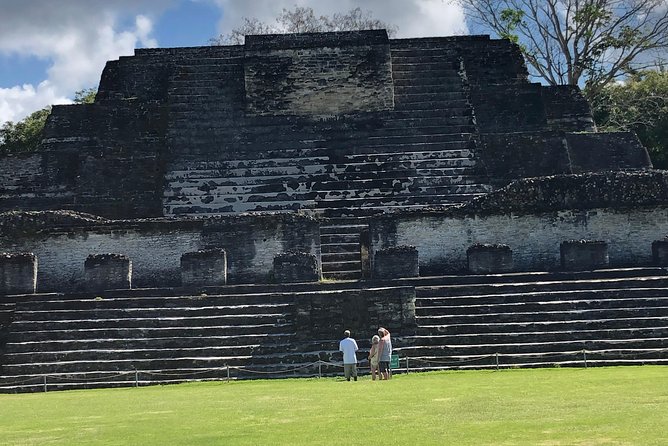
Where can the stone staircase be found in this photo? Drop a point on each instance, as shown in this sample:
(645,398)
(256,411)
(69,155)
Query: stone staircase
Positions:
(151,336)
(139,337)
(340,247)
(608,317)
(419,154)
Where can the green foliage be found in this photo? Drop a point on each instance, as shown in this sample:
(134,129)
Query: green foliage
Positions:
(25,135)
(85,96)
(640,105)
(567,406)
(576,41)
(511,19)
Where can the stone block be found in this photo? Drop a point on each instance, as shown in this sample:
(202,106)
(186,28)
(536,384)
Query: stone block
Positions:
(583,255)
(18,273)
(204,268)
(296,266)
(489,258)
(396,262)
(326,314)
(660,252)
(107,272)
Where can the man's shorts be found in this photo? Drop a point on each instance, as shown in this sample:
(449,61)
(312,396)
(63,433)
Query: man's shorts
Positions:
(384,366)
(350,370)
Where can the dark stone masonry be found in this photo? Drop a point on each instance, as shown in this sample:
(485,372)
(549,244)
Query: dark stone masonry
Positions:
(489,258)
(107,272)
(204,268)
(395,262)
(584,254)
(320,182)
(18,273)
(292,267)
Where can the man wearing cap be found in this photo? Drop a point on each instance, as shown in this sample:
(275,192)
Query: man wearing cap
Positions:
(348,346)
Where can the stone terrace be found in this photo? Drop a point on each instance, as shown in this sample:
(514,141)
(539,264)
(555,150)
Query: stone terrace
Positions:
(606,317)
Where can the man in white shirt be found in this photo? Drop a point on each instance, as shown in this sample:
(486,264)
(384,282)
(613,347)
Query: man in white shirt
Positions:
(348,346)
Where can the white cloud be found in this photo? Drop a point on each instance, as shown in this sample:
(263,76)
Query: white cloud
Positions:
(415,18)
(21,100)
(76,37)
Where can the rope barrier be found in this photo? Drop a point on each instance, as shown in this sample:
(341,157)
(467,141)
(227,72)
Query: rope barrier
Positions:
(262,372)
(202,372)
(416,363)
(80,379)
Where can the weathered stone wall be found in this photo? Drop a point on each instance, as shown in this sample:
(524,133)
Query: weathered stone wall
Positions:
(566,109)
(618,189)
(442,240)
(591,152)
(533,216)
(18,273)
(326,315)
(318,74)
(508,156)
(155,246)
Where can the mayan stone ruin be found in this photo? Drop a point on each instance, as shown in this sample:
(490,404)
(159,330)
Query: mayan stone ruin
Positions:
(236,207)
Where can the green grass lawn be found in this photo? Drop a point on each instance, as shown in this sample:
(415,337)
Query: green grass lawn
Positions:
(595,406)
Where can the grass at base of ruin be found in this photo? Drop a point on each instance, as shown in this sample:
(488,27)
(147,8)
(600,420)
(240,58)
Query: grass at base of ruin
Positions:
(595,406)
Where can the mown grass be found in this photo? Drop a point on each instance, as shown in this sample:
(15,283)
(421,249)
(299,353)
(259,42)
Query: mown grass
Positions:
(596,406)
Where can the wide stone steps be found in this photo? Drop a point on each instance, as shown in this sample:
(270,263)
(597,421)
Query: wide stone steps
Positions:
(175,362)
(340,248)
(519,348)
(431,153)
(137,342)
(540,336)
(546,316)
(311,152)
(316,165)
(151,322)
(607,317)
(575,358)
(543,285)
(201,331)
(213,194)
(538,298)
(328,181)
(572,325)
(145,312)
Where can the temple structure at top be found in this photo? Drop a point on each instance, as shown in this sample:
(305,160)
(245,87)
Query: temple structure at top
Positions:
(346,123)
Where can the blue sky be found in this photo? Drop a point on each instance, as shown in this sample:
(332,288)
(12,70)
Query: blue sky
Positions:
(51,48)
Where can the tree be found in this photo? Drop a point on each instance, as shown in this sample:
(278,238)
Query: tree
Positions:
(26,135)
(640,104)
(85,96)
(304,20)
(590,42)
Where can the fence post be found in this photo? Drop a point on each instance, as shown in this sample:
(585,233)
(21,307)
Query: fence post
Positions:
(45,383)
(496,360)
(136,378)
(584,356)
(319,369)
(228,372)
(407,370)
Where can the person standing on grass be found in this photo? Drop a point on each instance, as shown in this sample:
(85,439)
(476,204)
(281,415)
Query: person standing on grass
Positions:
(348,346)
(373,357)
(385,353)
